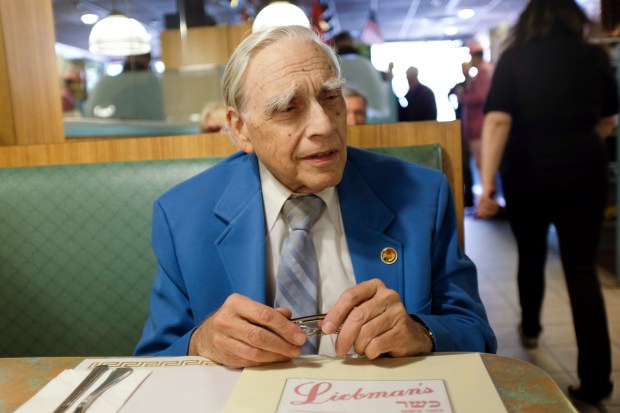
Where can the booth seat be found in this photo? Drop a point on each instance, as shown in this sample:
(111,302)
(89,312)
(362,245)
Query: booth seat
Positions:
(76,264)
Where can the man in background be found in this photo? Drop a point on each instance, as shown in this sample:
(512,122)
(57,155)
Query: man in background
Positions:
(420,98)
(473,96)
(356,106)
(454,95)
(136,93)
(361,75)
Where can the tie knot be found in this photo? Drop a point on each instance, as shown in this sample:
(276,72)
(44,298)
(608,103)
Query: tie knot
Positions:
(302,212)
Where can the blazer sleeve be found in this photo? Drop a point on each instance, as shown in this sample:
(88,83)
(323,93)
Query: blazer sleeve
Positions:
(170,324)
(457,316)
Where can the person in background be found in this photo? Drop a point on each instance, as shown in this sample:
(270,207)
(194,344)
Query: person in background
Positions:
(361,75)
(547,141)
(356,106)
(454,95)
(213,117)
(221,238)
(344,44)
(72,93)
(137,63)
(472,98)
(421,104)
(135,94)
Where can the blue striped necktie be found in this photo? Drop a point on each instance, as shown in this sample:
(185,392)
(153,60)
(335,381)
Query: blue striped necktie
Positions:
(296,285)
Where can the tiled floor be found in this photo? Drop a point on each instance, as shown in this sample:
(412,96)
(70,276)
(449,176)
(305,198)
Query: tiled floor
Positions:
(490,245)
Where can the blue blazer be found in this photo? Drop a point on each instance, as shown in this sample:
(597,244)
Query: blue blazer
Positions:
(209,240)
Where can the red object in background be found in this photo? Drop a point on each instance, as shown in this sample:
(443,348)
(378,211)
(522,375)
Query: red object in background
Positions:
(316,17)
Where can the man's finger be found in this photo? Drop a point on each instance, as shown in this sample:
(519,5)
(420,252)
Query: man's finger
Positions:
(349,299)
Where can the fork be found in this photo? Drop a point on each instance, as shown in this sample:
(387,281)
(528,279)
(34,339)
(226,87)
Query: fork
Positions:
(114,377)
(82,387)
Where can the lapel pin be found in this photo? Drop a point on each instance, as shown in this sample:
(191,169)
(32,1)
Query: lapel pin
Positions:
(389,255)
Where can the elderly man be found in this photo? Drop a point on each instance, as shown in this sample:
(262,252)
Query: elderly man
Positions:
(382,259)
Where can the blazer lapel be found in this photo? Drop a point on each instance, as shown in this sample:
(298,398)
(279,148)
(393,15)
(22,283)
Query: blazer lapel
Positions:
(366,219)
(241,246)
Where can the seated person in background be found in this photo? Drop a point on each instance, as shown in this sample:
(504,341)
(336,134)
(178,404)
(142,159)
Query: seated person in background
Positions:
(213,118)
(134,94)
(356,106)
(382,259)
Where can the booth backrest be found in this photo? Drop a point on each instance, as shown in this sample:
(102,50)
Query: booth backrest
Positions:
(76,264)
(75,259)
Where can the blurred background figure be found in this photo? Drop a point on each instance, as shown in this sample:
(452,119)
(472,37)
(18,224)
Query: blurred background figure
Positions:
(548,139)
(421,104)
(473,95)
(134,94)
(454,96)
(213,118)
(137,63)
(72,92)
(362,76)
(356,106)
(388,75)
(344,44)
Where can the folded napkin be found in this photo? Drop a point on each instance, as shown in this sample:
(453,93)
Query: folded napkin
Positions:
(57,390)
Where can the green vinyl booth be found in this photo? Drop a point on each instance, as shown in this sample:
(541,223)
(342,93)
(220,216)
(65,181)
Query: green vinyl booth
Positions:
(76,264)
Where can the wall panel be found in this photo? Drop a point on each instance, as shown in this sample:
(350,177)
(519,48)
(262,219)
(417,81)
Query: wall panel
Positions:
(28,66)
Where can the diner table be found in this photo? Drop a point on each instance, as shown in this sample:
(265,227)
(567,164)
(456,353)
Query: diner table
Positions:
(522,387)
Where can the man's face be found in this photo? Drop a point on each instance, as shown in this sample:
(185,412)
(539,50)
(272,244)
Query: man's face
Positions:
(356,110)
(294,116)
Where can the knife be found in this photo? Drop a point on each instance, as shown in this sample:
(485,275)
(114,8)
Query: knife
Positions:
(82,387)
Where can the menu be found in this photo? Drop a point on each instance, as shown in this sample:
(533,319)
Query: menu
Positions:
(433,384)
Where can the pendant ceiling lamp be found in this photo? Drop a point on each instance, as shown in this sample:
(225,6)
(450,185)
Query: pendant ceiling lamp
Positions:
(280,13)
(119,35)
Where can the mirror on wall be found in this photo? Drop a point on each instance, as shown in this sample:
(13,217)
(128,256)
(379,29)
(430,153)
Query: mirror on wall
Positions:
(134,96)
(159,88)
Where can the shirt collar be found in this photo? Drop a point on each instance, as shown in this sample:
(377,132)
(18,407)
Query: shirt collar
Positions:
(275,194)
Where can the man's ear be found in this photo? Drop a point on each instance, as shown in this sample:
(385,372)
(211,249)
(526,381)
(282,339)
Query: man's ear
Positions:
(238,130)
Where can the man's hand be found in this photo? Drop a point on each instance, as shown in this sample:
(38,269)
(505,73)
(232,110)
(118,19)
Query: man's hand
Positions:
(374,321)
(245,333)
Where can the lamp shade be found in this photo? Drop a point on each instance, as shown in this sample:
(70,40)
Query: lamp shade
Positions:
(118,35)
(280,13)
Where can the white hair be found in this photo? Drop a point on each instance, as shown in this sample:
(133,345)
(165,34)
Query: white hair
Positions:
(232,80)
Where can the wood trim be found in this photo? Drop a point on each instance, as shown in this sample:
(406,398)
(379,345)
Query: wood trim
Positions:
(7,123)
(28,62)
(85,151)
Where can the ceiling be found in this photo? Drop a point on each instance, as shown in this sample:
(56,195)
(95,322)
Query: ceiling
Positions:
(398,20)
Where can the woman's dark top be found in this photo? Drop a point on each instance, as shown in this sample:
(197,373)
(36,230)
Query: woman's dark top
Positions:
(556,89)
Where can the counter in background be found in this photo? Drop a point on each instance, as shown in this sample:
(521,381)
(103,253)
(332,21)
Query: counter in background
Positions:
(89,128)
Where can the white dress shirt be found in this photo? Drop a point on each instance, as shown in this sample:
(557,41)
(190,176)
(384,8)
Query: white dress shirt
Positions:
(335,266)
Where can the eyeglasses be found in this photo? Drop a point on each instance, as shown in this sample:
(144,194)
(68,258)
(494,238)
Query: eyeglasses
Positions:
(312,325)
